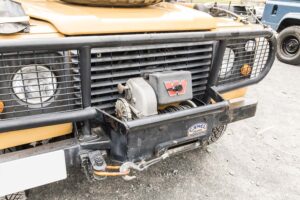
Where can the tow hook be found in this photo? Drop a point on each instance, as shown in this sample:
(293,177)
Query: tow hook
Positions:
(101,170)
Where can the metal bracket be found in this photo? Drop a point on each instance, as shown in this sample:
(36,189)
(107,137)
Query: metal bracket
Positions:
(214,94)
(97,160)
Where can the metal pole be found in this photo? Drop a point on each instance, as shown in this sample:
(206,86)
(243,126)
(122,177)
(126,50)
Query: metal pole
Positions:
(219,50)
(85,77)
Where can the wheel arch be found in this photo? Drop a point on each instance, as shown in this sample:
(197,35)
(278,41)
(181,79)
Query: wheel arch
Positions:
(290,19)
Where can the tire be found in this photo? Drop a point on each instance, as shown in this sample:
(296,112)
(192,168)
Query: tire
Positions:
(118,3)
(15,196)
(288,49)
(217,133)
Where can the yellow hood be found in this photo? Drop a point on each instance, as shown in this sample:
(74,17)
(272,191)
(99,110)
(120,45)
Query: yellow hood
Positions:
(72,19)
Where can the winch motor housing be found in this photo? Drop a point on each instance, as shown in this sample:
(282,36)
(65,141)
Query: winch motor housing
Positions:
(172,86)
(144,96)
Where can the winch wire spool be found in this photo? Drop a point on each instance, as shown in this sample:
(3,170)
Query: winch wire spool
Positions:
(184,106)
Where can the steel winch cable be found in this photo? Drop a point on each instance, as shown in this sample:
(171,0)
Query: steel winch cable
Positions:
(174,108)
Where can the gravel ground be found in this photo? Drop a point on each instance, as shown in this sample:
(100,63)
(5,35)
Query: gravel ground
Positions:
(258,158)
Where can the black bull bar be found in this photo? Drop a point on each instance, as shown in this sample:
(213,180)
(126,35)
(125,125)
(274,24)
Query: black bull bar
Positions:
(84,45)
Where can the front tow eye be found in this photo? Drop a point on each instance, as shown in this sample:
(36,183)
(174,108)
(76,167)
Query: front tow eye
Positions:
(100,169)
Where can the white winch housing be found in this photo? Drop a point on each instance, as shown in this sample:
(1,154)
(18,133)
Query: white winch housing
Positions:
(142,96)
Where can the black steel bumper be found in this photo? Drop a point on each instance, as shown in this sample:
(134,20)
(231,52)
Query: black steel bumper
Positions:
(151,137)
(145,138)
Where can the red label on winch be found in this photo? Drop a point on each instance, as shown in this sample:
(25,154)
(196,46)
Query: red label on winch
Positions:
(176,87)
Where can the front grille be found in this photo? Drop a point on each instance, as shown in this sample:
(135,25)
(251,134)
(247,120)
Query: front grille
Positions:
(240,55)
(114,65)
(43,83)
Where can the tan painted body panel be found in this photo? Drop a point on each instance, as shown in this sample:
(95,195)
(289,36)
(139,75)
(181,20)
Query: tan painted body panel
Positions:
(223,23)
(16,138)
(234,94)
(72,19)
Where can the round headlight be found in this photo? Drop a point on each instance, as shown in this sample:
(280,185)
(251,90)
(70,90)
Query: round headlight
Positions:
(34,84)
(250,45)
(227,63)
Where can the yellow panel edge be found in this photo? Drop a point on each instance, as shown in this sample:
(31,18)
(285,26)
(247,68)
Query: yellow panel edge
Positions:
(234,94)
(16,138)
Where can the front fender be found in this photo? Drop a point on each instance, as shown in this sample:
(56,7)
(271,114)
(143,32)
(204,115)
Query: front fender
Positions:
(289,16)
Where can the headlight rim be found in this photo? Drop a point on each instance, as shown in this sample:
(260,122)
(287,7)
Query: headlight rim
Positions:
(39,104)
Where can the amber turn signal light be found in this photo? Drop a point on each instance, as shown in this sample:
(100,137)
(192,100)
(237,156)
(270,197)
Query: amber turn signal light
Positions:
(246,70)
(1,106)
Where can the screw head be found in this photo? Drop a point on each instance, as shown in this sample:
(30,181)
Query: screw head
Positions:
(98,160)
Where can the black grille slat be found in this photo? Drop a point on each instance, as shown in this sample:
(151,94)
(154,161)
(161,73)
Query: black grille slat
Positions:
(131,72)
(111,66)
(105,82)
(114,89)
(149,63)
(141,56)
(104,91)
(147,47)
(106,98)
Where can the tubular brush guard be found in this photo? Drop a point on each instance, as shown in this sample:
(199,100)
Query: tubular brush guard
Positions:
(84,45)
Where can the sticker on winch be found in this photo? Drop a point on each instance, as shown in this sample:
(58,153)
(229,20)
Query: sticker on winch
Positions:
(198,129)
(176,87)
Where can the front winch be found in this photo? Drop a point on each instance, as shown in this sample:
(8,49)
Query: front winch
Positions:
(160,93)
